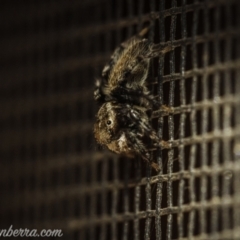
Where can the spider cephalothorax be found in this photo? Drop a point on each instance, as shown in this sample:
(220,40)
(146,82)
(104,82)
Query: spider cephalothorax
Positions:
(123,124)
(125,129)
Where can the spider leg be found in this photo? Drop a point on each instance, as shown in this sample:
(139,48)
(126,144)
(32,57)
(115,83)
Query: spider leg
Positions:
(138,146)
(145,126)
(157,49)
(141,150)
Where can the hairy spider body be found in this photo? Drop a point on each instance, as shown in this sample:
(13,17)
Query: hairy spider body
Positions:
(122,122)
(123,78)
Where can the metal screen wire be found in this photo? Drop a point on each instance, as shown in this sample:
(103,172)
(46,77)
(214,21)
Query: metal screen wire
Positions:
(52,173)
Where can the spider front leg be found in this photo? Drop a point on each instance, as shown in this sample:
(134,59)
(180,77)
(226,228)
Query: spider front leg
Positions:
(144,127)
(136,145)
(139,149)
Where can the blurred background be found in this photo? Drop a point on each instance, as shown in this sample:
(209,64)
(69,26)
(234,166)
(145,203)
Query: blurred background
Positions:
(52,173)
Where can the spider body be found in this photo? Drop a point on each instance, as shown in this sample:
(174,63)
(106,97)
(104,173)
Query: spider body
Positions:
(122,123)
(124,77)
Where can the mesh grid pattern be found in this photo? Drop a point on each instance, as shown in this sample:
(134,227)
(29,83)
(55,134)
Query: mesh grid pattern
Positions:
(53,175)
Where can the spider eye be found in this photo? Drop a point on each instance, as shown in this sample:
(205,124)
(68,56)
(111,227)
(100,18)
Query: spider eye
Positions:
(109,122)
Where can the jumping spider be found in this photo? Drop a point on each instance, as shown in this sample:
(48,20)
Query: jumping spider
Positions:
(123,121)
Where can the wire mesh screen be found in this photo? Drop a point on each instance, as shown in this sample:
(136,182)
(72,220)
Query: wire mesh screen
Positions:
(53,174)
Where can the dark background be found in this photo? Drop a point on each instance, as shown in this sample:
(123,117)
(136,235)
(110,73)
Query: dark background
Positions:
(52,173)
